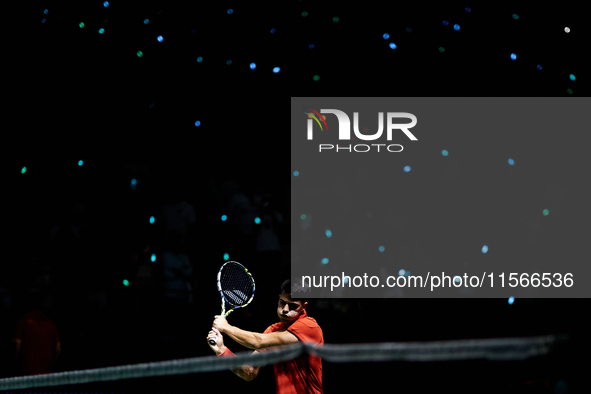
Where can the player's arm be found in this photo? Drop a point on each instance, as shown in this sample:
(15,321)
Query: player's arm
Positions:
(254,340)
(246,372)
(17,348)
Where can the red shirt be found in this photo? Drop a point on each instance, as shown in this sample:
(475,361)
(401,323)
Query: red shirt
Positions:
(38,338)
(302,374)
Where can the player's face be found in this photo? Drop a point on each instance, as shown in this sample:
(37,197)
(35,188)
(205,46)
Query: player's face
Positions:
(289,310)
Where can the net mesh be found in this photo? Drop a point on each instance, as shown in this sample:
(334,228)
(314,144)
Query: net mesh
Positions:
(500,349)
(236,284)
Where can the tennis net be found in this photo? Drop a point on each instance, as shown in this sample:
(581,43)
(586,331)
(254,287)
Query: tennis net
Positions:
(510,350)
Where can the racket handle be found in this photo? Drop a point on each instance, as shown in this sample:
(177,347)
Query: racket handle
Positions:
(212,341)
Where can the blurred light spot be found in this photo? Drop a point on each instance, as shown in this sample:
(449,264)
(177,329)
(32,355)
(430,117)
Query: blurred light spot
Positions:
(328,233)
(381,248)
(468,9)
(101,31)
(304,14)
(153,257)
(445,23)
(457,279)
(224,217)
(408,29)
(152,219)
(151,105)
(198,123)
(569,91)
(230,11)
(296,173)
(106,4)
(229,62)
(515,16)
(193,31)
(392,45)
(386,36)
(545,212)
(567,30)
(572,77)
(160,39)
(125,282)
(140,54)
(335,19)
(226,256)
(253,66)
(303,216)
(325,261)
(133,182)
(511,300)
(511,162)
(456,27)
(441,49)
(80,162)
(257,220)
(146,21)
(316,77)
(539,66)
(276,70)
(513,56)
(23,170)
(81,24)
(199,59)
(484,249)
(444,152)
(43,20)
(311,46)
(401,272)
(273,31)
(407,169)
(46,11)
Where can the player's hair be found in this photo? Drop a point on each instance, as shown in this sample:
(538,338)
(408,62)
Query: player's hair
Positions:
(295,290)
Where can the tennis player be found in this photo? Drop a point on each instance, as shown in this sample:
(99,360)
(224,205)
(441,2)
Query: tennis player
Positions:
(300,375)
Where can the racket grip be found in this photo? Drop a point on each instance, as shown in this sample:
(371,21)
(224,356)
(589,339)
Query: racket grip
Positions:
(212,341)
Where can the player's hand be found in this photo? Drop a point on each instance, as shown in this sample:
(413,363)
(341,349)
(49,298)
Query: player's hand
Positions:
(219,341)
(220,323)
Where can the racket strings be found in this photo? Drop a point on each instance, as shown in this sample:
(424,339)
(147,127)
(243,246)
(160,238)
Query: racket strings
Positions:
(236,285)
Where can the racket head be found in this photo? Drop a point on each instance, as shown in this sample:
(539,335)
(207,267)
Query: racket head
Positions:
(235,285)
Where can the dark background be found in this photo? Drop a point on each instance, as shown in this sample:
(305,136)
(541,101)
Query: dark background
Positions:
(72,94)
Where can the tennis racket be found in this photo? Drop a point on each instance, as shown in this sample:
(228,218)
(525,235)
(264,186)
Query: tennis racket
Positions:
(236,287)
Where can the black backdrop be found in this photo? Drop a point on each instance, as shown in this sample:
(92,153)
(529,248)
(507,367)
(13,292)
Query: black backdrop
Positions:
(72,94)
